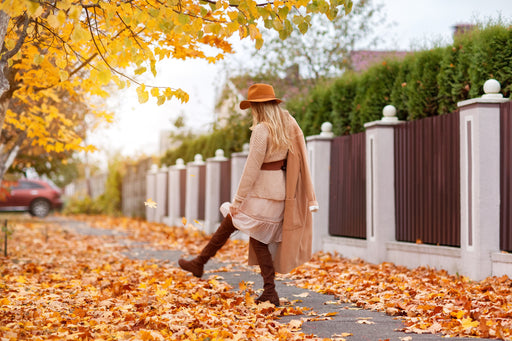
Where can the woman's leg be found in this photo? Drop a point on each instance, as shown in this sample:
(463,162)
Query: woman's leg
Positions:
(218,239)
(267,272)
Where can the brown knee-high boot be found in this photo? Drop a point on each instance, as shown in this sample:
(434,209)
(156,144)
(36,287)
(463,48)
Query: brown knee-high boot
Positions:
(267,272)
(218,239)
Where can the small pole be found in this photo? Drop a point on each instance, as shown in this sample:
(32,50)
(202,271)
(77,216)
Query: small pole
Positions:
(5,238)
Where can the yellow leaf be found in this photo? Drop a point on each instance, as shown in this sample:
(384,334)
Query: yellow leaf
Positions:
(79,34)
(63,75)
(140,70)
(155,92)
(34,9)
(184,221)
(150,203)
(53,21)
(458,314)
(295,324)
(469,323)
(74,12)
(143,94)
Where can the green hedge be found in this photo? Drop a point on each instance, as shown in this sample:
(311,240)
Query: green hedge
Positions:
(229,138)
(424,83)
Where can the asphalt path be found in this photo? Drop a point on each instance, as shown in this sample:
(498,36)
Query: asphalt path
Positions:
(325,318)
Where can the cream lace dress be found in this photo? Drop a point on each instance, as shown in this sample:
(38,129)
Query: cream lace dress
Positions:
(260,195)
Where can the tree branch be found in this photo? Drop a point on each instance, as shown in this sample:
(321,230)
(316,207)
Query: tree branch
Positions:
(9,54)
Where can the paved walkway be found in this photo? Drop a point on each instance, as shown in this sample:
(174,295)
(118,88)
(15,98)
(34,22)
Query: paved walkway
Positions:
(349,322)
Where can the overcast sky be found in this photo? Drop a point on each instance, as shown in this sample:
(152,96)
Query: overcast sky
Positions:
(415,23)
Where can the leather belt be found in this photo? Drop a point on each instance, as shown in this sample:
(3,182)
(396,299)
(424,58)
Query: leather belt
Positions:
(275,165)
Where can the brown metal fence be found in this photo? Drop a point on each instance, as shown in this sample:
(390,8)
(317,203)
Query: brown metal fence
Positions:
(427,180)
(202,193)
(506,177)
(347,204)
(225,183)
(183,191)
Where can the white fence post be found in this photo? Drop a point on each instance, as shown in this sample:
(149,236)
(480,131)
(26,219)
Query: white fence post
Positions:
(161,194)
(193,191)
(479,180)
(213,190)
(151,192)
(176,188)
(380,184)
(319,155)
(238,161)
(237,167)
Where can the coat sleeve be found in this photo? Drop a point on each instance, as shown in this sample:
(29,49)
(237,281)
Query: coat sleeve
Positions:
(257,151)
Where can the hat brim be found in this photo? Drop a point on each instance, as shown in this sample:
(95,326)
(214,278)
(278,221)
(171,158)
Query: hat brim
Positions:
(246,103)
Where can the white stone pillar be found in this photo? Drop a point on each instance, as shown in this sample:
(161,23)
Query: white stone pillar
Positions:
(319,157)
(213,191)
(161,194)
(479,180)
(380,184)
(176,194)
(151,192)
(192,201)
(237,167)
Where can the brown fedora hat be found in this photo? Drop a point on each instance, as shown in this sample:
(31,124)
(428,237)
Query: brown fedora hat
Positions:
(259,93)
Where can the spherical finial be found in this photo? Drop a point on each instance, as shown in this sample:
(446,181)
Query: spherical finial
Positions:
(326,129)
(245,148)
(389,113)
(180,163)
(219,153)
(198,158)
(492,89)
(154,168)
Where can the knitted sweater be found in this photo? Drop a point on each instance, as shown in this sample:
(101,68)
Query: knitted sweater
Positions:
(255,182)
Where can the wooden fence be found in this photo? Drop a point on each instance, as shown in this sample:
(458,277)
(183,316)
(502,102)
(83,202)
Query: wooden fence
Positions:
(506,177)
(347,204)
(427,180)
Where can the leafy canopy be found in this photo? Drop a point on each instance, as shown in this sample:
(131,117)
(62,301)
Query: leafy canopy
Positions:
(108,36)
(57,52)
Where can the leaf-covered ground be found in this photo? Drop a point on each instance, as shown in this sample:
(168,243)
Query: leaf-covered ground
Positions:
(60,285)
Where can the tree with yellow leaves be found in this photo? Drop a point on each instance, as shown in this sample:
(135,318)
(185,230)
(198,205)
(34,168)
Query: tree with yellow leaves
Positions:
(81,46)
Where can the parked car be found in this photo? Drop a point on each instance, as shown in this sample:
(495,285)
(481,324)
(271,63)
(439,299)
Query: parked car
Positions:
(38,197)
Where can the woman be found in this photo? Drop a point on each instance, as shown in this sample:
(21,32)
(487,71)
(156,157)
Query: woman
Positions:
(275,196)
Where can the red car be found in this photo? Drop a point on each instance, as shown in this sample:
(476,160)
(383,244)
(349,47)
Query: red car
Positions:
(38,197)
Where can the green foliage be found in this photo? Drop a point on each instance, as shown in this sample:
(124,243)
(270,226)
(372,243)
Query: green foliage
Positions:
(423,84)
(229,138)
(109,202)
(422,87)
(85,205)
(317,109)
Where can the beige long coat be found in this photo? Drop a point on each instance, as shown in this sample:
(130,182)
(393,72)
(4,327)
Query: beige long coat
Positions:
(297,234)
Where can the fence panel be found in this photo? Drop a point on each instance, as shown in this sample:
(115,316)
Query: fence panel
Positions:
(506,177)
(427,180)
(225,183)
(202,193)
(347,204)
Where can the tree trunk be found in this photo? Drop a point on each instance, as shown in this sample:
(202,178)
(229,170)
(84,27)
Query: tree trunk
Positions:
(4,81)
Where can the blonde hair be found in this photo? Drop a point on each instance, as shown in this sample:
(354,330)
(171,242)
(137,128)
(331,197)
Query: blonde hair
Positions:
(271,114)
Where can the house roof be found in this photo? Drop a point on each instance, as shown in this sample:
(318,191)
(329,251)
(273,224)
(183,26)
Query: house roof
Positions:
(362,59)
